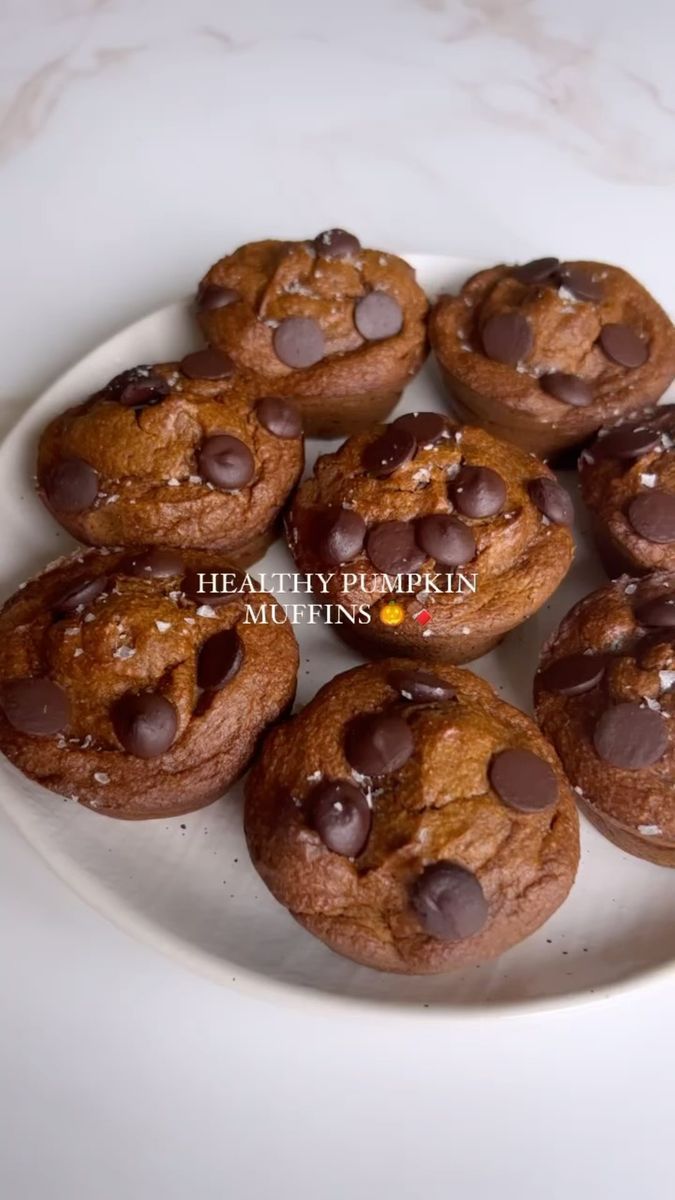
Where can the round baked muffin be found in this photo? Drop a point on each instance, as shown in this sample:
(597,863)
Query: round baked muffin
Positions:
(545,353)
(628,483)
(604,696)
(338,329)
(438,539)
(412,821)
(177,454)
(109,659)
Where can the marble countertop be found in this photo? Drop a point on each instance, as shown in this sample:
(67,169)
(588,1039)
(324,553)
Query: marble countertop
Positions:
(138,140)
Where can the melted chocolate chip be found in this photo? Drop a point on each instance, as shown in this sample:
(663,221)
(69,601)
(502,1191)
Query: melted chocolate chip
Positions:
(623,345)
(627,441)
(213,295)
(226,462)
(478,492)
(580,282)
(377,743)
(377,316)
(336,243)
(427,428)
(220,659)
(630,737)
(340,535)
(340,814)
(539,270)
(391,547)
(137,388)
(552,500)
(569,389)
(157,563)
(80,594)
(449,902)
(658,612)
(388,452)
(72,485)
(299,342)
(523,781)
(233,581)
(652,516)
(507,338)
(422,687)
(446,539)
(574,674)
(37,707)
(145,723)
(208,363)
(279,417)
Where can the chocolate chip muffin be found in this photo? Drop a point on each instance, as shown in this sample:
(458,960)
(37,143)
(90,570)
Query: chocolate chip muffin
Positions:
(412,821)
(604,696)
(435,539)
(337,329)
(177,454)
(123,688)
(545,353)
(628,483)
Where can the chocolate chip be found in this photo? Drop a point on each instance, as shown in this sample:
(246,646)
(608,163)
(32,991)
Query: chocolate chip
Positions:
(336,243)
(213,295)
(377,743)
(377,316)
(630,737)
(580,282)
(652,515)
(507,338)
(340,814)
(449,902)
(427,428)
(38,707)
(569,389)
(145,723)
(391,547)
(208,363)
(233,582)
(657,613)
(552,500)
(340,535)
(72,485)
(80,594)
(137,388)
(388,452)
(219,660)
(446,539)
(279,417)
(627,441)
(299,342)
(157,563)
(623,345)
(523,781)
(478,491)
(421,686)
(539,270)
(574,674)
(226,462)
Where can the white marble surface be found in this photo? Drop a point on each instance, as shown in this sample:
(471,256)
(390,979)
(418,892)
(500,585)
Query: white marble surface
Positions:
(138,139)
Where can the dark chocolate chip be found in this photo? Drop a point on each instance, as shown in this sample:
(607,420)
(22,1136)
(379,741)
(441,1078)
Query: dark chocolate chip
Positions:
(299,342)
(208,363)
(213,295)
(539,270)
(627,441)
(658,613)
(336,243)
(340,535)
(279,417)
(72,485)
(478,491)
(552,500)
(630,737)
(226,462)
(391,547)
(580,282)
(377,743)
(421,686)
(623,345)
(145,723)
(157,563)
(388,452)
(449,902)
(80,594)
(137,388)
(523,781)
(219,660)
(507,338)
(233,582)
(38,707)
(340,814)
(652,515)
(427,428)
(569,389)
(446,539)
(574,674)
(377,316)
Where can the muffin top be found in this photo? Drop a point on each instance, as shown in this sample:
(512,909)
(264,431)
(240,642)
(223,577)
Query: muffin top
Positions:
(309,314)
(604,695)
(412,820)
(181,454)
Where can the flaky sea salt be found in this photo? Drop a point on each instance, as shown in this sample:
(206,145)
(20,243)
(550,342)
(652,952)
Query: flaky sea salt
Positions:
(162,626)
(101,777)
(205,610)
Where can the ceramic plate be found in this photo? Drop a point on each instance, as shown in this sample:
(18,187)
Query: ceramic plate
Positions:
(186,885)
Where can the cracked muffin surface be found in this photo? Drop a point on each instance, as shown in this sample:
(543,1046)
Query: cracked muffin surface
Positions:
(412,821)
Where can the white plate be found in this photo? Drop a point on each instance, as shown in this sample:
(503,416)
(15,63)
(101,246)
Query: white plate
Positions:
(186,885)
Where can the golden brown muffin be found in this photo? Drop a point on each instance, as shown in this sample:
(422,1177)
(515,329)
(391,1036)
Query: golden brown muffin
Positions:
(413,822)
(604,697)
(545,353)
(628,483)
(438,538)
(177,454)
(111,659)
(337,329)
